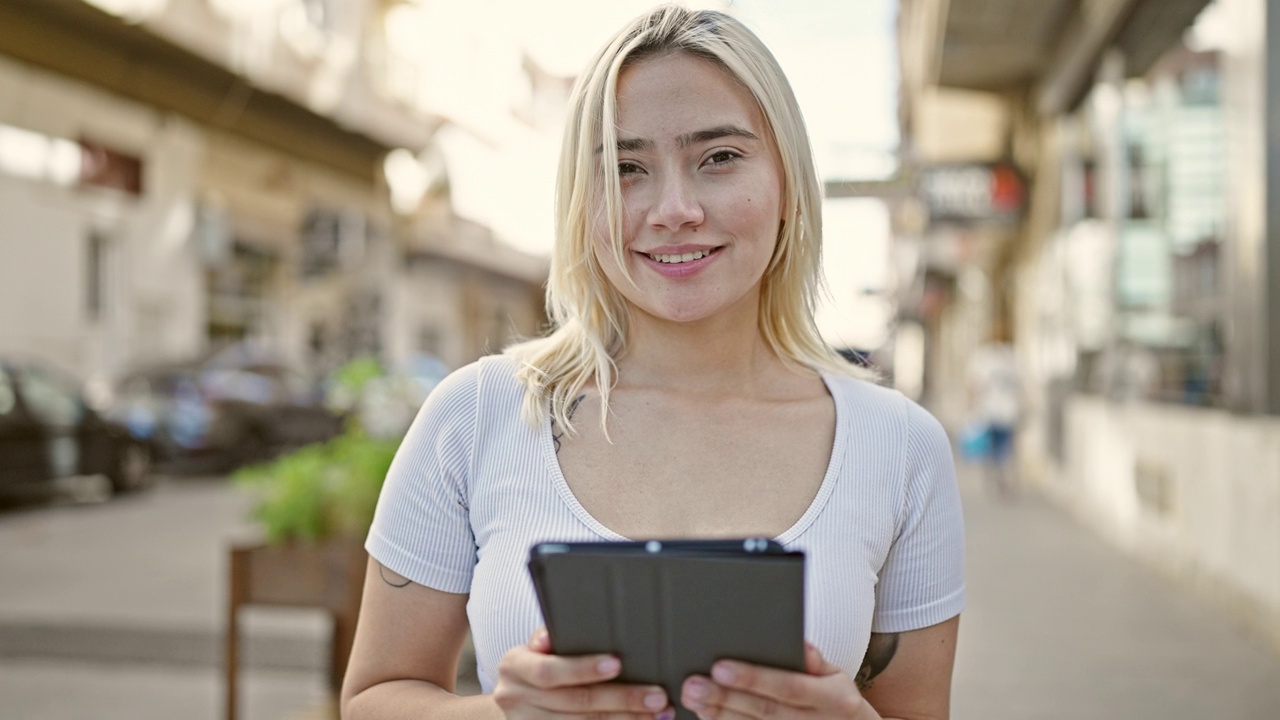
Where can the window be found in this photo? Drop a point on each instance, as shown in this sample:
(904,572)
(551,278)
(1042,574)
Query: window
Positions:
(8,401)
(50,400)
(95,277)
(1167,304)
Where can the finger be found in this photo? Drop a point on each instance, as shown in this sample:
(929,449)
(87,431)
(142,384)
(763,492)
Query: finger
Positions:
(592,700)
(815,664)
(527,667)
(782,686)
(540,641)
(710,700)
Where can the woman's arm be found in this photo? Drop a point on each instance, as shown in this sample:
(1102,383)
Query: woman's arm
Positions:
(405,661)
(906,676)
(405,658)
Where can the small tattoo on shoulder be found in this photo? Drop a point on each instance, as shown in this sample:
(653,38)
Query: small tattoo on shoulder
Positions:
(880,651)
(555,436)
(396,580)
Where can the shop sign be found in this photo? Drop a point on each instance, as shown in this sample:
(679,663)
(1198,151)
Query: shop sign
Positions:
(976,192)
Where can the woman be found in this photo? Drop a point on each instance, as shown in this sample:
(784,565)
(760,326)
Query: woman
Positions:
(684,393)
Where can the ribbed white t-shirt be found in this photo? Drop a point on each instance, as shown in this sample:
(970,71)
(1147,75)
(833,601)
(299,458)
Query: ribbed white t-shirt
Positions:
(474,486)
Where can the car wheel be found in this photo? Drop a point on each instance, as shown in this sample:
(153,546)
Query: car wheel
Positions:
(133,469)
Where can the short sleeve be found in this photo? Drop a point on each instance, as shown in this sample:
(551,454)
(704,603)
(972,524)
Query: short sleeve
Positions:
(922,580)
(422,527)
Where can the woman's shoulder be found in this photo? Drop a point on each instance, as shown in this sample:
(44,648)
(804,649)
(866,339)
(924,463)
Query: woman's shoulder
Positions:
(476,398)
(490,377)
(864,392)
(875,404)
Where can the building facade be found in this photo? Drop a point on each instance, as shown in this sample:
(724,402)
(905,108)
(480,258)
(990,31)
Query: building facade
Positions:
(1141,274)
(179,174)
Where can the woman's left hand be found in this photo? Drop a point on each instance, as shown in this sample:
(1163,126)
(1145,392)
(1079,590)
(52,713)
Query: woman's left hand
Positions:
(740,690)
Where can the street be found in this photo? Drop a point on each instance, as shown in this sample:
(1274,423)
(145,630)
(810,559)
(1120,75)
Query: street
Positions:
(114,610)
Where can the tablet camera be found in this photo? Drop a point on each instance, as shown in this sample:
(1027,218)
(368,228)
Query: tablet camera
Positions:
(653,546)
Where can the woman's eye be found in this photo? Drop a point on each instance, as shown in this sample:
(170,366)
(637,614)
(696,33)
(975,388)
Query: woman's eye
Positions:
(629,168)
(722,157)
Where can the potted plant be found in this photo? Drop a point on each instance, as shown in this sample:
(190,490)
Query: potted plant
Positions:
(314,507)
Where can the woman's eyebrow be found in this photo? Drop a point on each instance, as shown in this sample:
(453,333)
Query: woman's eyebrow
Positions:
(684,141)
(714,133)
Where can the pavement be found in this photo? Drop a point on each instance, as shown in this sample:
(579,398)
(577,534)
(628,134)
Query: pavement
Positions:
(114,609)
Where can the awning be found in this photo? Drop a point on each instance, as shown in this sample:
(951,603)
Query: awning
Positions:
(1051,47)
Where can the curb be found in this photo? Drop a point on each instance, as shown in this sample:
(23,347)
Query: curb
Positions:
(132,645)
(262,649)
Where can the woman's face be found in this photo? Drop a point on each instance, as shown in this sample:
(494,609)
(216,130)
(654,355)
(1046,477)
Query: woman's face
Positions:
(701,192)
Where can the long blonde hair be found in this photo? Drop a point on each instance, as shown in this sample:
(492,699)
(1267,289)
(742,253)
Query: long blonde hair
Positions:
(588,314)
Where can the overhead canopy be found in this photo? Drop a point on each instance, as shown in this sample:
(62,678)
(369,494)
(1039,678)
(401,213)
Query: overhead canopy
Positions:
(75,39)
(1052,47)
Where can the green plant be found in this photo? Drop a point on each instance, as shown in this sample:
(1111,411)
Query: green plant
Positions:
(323,491)
(328,490)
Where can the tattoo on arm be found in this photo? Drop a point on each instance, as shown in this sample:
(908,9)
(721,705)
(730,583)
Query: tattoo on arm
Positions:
(880,651)
(396,580)
(555,436)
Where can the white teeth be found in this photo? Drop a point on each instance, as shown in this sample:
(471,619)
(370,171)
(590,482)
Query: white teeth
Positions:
(684,258)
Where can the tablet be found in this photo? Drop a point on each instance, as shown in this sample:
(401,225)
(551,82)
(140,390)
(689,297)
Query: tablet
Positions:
(669,609)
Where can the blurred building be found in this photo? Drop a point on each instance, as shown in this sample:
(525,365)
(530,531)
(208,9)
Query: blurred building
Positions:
(175,174)
(1097,174)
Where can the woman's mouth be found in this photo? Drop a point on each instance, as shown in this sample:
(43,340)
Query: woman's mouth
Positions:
(680,265)
(677,259)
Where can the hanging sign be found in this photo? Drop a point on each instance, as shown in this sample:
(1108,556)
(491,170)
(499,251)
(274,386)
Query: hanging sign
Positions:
(975,192)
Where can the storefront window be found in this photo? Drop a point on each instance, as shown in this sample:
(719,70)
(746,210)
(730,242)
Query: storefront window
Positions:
(1168,304)
(1167,185)
(238,290)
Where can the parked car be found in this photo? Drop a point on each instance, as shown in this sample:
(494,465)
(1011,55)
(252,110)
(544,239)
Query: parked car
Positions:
(213,415)
(48,432)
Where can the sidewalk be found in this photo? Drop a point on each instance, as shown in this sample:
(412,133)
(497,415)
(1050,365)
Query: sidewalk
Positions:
(115,611)
(1061,625)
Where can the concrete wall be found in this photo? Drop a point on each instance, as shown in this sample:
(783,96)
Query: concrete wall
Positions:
(1194,492)
(151,276)
(951,125)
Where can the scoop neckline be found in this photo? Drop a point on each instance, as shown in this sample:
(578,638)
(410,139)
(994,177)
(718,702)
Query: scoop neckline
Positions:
(811,513)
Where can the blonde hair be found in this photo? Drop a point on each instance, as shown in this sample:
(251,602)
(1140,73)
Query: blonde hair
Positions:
(588,314)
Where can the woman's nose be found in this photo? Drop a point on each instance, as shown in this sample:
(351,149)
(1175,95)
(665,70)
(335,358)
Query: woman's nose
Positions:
(676,205)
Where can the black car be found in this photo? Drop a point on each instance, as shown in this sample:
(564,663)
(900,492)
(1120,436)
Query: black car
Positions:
(217,416)
(48,432)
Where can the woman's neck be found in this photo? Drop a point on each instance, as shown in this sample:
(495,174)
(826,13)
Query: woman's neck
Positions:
(718,356)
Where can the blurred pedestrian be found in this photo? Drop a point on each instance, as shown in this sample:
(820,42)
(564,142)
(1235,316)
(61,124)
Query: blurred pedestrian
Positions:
(995,395)
(685,392)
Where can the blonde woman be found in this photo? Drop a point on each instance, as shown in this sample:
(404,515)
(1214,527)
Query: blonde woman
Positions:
(684,393)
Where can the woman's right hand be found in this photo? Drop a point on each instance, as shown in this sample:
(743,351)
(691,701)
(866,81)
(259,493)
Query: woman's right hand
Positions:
(533,683)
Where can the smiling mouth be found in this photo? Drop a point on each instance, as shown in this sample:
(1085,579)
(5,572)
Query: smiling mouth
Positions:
(676,259)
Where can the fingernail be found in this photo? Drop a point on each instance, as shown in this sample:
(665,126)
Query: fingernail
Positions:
(668,714)
(723,673)
(697,688)
(655,700)
(609,666)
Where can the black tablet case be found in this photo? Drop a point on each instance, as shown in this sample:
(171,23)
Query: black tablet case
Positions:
(669,615)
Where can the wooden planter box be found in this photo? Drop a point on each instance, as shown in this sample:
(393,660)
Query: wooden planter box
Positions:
(328,575)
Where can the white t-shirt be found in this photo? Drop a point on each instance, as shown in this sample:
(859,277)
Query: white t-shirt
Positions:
(473,487)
